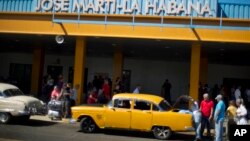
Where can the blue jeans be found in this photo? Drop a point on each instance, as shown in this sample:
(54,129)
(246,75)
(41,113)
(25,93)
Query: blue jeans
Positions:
(219,130)
(197,130)
(197,124)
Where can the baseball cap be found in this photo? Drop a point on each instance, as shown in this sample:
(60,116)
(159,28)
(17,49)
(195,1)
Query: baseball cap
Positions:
(219,96)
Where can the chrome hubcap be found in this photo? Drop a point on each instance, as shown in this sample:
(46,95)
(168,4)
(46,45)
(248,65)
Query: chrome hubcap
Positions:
(3,117)
(88,125)
(162,131)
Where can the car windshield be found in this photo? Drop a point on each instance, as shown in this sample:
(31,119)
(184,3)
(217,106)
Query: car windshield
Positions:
(164,106)
(110,103)
(13,92)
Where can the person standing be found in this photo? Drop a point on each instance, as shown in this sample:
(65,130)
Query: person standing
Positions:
(215,91)
(206,108)
(231,114)
(66,93)
(219,117)
(166,87)
(241,112)
(247,96)
(196,119)
(237,93)
(137,89)
(74,95)
(106,90)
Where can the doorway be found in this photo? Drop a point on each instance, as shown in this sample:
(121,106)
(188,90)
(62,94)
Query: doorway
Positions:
(126,79)
(54,72)
(20,75)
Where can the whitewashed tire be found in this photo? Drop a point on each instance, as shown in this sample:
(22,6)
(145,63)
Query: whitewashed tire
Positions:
(5,118)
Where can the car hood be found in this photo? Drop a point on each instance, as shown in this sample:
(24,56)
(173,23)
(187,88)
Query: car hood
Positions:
(23,98)
(95,107)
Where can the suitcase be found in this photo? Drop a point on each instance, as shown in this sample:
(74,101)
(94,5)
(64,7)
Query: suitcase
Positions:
(55,109)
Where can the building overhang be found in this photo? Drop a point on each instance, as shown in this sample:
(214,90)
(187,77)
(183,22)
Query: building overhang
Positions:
(148,27)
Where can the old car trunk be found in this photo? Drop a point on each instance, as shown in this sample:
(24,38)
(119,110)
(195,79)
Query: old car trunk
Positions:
(182,103)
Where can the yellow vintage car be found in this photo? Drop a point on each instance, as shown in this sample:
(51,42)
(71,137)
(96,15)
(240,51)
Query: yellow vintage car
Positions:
(143,112)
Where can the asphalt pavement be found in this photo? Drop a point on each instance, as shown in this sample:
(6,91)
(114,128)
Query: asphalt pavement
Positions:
(41,128)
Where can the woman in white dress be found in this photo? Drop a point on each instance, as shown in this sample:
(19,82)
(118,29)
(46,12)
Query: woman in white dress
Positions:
(241,113)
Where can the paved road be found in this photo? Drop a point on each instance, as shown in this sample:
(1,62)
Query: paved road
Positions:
(42,129)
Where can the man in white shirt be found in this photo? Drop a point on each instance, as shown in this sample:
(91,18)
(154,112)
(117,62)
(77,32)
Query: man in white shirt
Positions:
(237,93)
(241,113)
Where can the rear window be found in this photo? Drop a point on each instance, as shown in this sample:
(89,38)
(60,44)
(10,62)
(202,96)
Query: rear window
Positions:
(13,92)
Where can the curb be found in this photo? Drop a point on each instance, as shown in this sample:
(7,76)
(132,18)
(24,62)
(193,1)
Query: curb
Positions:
(47,119)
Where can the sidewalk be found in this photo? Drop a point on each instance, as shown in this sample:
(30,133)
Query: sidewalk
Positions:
(46,118)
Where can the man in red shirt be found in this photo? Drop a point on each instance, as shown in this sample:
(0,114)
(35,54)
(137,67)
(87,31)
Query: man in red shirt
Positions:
(206,108)
(106,89)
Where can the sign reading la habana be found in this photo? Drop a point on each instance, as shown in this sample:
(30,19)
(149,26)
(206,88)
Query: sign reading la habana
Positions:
(205,8)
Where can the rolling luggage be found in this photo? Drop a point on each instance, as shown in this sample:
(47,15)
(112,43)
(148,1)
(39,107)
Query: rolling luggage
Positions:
(55,109)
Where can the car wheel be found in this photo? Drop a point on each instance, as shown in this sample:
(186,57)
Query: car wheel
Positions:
(162,133)
(5,117)
(88,125)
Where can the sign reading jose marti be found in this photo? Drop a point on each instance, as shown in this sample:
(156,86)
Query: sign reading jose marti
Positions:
(204,8)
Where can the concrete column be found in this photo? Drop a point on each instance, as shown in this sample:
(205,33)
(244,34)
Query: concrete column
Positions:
(37,69)
(203,70)
(195,71)
(117,65)
(79,65)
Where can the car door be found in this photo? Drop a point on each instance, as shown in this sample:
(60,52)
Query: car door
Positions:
(141,118)
(118,116)
(4,103)
(1,101)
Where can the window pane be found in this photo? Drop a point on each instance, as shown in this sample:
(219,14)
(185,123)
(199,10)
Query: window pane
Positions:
(122,103)
(142,105)
(155,108)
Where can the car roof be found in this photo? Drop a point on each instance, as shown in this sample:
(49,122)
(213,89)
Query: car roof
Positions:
(4,86)
(147,97)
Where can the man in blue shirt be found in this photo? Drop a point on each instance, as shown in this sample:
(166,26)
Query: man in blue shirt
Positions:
(219,116)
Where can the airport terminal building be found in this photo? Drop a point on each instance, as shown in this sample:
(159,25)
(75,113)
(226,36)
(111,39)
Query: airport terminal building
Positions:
(145,41)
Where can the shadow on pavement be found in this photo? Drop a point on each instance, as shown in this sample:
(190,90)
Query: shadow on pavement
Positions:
(32,122)
(148,135)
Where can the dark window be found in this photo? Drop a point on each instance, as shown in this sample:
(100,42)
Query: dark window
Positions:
(1,95)
(20,76)
(122,103)
(155,108)
(142,105)
(13,92)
